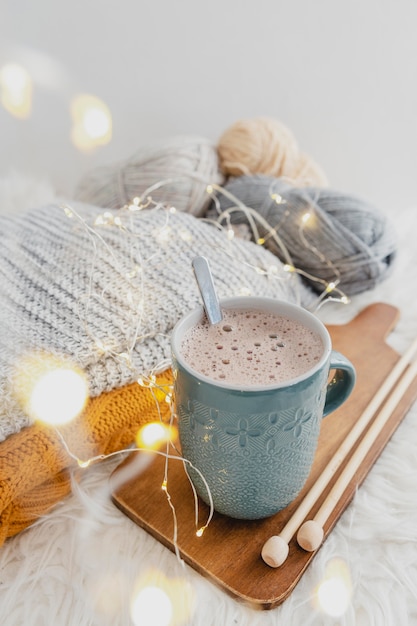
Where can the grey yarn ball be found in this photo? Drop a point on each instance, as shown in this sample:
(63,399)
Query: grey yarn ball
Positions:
(346,234)
(185,165)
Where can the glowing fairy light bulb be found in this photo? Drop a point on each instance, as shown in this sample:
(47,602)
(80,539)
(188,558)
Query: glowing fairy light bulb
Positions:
(147,382)
(151,436)
(58,396)
(135,205)
(151,606)
(49,388)
(306,217)
(335,592)
(84,464)
(330,287)
(103,219)
(92,122)
(277,198)
(16,90)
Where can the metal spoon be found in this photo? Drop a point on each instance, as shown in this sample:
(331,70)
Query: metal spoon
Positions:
(208,293)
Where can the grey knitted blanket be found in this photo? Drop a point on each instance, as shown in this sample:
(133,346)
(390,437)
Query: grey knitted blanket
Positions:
(105,289)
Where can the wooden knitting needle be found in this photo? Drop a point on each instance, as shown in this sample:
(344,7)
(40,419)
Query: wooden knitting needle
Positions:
(310,535)
(275,550)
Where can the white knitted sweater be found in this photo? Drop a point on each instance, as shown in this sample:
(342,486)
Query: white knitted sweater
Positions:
(108,295)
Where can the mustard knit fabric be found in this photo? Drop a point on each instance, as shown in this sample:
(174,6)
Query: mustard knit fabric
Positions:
(35,467)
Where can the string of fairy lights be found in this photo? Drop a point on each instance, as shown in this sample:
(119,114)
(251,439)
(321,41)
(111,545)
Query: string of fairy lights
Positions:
(160,437)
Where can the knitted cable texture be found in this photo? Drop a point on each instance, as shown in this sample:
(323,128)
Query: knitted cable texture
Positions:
(35,466)
(107,295)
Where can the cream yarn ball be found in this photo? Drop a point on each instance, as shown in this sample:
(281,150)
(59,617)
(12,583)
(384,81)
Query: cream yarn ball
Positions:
(184,164)
(263,145)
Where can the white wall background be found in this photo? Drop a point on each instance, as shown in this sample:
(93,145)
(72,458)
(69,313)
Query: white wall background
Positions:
(342,75)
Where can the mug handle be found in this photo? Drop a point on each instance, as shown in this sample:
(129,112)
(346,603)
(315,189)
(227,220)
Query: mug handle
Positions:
(341,385)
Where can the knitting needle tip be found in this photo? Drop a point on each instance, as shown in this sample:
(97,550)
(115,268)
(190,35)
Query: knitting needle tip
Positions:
(275,551)
(310,536)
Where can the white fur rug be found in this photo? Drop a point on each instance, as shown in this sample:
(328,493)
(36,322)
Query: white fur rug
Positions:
(80,566)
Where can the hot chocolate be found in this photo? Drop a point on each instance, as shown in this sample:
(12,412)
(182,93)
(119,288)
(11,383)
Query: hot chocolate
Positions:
(251,348)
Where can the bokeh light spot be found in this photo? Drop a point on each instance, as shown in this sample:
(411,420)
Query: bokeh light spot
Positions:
(151,607)
(16,90)
(157,600)
(335,591)
(92,122)
(50,389)
(58,396)
(154,434)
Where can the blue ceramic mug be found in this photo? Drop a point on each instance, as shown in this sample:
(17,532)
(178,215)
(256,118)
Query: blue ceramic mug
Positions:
(255,446)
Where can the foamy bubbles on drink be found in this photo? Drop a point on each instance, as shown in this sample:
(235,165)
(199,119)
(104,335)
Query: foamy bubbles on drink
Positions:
(251,348)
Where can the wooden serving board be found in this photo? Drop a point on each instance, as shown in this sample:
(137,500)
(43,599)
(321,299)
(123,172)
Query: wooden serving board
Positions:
(229,552)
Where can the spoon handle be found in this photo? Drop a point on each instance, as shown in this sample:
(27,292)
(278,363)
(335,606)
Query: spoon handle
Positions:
(208,293)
